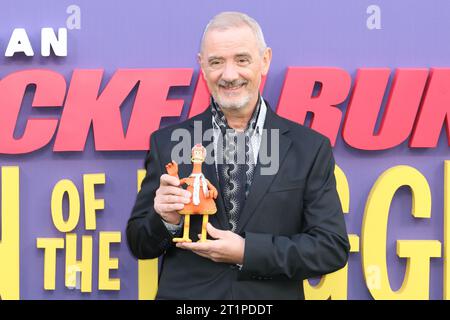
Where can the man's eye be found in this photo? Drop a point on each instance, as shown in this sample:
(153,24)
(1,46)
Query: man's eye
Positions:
(243,60)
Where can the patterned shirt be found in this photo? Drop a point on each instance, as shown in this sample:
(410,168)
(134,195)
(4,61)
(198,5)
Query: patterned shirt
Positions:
(236,156)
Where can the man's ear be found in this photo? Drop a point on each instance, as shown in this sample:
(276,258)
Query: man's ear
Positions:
(266,59)
(200,62)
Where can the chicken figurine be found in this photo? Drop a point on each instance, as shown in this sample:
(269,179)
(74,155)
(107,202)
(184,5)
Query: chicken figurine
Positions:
(202,191)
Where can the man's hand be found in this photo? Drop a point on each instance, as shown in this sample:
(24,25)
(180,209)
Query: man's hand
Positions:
(170,198)
(228,246)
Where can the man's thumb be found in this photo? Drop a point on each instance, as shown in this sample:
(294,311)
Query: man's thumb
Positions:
(213,232)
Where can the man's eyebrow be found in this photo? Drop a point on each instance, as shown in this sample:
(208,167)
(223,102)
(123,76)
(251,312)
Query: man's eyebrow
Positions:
(214,58)
(243,54)
(238,55)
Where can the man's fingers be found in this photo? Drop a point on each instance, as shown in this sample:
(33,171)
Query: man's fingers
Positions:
(202,249)
(176,191)
(170,199)
(195,246)
(215,233)
(174,199)
(170,207)
(168,180)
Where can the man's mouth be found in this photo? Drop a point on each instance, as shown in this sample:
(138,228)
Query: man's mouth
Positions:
(233,88)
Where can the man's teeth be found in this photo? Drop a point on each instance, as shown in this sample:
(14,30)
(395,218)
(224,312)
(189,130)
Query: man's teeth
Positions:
(235,87)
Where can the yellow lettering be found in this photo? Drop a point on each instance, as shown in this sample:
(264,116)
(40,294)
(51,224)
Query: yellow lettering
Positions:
(91,204)
(105,263)
(84,266)
(10,235)
(342,188)
(50,245)
(62,187)
(418,254)
(374,234)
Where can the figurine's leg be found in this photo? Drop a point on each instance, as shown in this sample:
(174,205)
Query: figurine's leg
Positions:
(185,238)
(205,222)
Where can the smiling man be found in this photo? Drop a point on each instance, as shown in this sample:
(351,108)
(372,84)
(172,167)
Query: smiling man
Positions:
(273,228)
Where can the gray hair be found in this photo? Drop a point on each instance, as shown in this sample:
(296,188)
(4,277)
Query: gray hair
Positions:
(230,19)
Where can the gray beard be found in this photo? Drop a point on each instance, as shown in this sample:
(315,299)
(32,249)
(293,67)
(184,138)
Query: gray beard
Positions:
(232,105)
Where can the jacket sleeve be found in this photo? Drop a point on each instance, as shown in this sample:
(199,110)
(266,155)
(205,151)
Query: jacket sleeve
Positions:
(320,248)
(147,236)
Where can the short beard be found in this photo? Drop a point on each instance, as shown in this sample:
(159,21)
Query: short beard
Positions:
(235,105)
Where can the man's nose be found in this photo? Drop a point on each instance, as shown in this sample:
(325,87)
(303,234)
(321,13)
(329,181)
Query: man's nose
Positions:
(230,72)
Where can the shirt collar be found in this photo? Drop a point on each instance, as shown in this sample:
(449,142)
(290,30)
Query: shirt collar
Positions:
(261,117)
(257,119)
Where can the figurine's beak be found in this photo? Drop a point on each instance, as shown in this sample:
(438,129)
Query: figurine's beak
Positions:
(196,160)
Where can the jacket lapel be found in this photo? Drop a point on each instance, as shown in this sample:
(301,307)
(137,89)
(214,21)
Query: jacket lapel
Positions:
(261,183)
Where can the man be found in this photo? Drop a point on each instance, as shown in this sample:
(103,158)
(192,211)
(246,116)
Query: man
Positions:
(272,230)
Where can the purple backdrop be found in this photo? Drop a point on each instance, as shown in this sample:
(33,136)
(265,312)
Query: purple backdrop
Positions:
(301,33)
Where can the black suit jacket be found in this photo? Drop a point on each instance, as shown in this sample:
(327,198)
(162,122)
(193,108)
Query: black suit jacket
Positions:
(292,221)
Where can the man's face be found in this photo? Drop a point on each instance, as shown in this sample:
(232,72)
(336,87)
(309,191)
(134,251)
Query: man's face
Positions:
(233,65)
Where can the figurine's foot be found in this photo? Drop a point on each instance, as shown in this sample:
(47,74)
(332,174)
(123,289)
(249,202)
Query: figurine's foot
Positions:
(202,240)
(181,240)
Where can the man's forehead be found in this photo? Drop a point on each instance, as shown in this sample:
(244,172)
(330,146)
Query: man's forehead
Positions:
(230,41)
